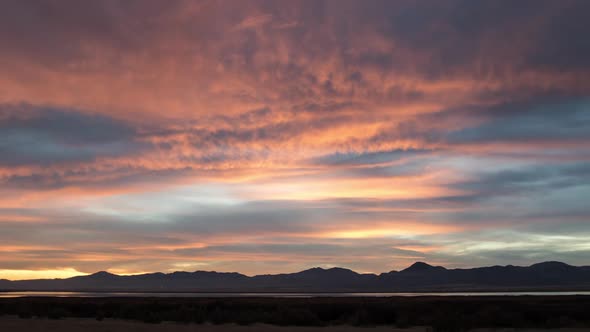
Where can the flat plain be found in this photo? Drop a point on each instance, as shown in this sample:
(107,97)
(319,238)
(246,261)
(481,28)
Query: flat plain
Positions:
(442,313)
(111,325)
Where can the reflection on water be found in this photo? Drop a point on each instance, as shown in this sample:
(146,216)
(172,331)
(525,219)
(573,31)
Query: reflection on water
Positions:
(274,295)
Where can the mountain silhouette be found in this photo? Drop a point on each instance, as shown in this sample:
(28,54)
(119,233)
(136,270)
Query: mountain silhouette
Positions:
(419,277)
(421,267)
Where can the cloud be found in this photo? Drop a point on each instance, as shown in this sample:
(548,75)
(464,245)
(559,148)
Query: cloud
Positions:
(136,133)
(537,120)
(528,181)
(560,43)
(355,158)
(254,21)
(44,136)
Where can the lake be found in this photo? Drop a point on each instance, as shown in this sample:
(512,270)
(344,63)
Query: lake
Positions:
(276,295)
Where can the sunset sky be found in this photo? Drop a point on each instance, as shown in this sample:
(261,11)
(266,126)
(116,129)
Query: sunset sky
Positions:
(275,136)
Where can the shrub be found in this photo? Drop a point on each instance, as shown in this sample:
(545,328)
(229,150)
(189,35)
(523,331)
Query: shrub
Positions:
(57,313)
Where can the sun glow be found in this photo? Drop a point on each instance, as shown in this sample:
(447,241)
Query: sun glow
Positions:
(39,274)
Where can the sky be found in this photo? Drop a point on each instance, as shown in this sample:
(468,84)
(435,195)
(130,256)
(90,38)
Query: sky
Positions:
(275,136)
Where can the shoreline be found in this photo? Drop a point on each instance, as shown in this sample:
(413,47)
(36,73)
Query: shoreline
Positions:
(224,294)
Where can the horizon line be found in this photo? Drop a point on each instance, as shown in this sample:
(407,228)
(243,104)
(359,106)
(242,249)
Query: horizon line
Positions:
(283,273)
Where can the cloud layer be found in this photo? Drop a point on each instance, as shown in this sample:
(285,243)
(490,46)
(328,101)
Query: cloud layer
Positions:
(256,137)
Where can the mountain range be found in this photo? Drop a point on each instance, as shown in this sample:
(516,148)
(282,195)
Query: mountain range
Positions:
(419,277)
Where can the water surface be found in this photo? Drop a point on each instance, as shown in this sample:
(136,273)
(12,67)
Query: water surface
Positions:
(276,295)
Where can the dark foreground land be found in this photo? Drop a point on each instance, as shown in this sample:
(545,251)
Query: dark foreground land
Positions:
(313,314)
(86,325)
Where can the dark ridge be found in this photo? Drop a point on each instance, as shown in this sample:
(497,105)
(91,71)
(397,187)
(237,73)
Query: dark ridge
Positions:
(419,277)
(551,265)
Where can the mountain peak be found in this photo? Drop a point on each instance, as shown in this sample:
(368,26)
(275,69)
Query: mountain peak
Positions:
(102,274)
(421,267)
(318,270)
(551,265)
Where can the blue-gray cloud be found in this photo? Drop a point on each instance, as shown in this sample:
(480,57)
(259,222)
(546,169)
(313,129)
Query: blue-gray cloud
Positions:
(45,136)
(367,158)
(536,120)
